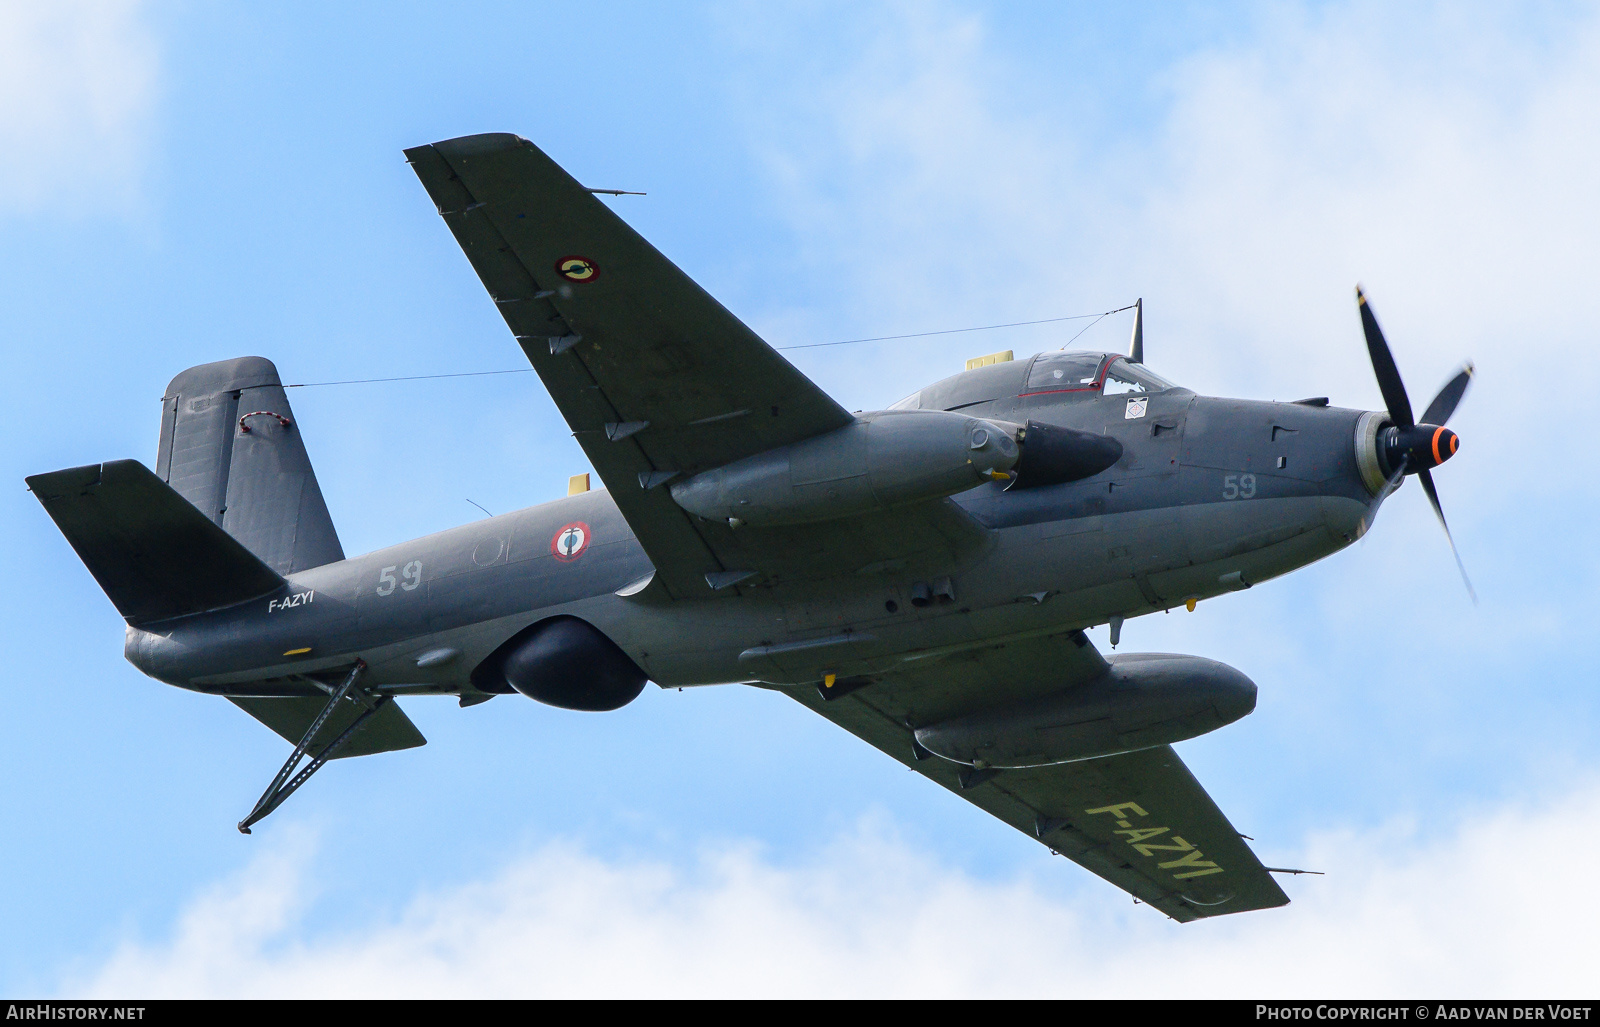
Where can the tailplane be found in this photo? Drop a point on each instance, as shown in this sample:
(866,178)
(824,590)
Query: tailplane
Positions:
(155,555)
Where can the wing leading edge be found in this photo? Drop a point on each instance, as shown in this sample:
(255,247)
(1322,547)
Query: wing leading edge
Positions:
(1139,820)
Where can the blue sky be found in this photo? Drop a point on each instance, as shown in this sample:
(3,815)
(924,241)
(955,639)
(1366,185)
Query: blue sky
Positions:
(191,182)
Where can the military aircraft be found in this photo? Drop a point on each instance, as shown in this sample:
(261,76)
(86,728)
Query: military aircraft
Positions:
(920,575)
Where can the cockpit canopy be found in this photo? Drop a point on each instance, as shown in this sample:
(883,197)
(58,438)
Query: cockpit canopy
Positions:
(1069,374)
(1107,373)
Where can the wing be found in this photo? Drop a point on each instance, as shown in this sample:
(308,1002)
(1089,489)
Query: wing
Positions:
(654,376)
(1140,820)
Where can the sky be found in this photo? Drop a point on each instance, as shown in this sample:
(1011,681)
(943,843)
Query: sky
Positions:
(189,182)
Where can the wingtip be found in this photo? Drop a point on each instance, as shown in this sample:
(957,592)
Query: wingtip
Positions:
(473,145)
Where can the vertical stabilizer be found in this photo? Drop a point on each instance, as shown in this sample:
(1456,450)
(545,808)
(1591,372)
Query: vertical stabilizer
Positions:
(230,445)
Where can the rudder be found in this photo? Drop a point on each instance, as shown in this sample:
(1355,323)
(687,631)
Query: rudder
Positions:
(230,445)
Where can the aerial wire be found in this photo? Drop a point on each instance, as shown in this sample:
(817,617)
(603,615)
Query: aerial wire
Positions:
(1096,321)
(409,378)
(953,331)
(809,345)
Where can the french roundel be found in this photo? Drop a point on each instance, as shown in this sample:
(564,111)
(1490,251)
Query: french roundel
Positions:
(570,541)
(578,269)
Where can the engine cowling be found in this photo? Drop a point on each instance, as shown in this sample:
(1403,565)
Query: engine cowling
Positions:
(1141,701)
(882,460)
(1053,455)
(563,662)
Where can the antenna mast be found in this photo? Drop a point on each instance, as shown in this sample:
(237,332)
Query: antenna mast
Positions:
(1136,344)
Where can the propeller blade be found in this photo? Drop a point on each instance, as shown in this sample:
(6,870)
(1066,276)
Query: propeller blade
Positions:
(1383,366)
(1444,404)
(1433,497)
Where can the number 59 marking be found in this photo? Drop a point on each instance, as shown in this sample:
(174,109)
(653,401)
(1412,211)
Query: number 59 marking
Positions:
(1239,486)
(411,575)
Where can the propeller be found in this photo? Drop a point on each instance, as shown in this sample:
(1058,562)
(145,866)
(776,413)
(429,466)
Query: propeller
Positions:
(1410,446)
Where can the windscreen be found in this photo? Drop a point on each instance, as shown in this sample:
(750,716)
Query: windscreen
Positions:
(1064,372)
(1124,377)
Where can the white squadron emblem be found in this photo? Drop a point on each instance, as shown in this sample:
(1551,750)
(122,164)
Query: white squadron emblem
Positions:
(1136,408)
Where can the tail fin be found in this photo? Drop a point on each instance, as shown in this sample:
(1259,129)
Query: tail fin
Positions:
(154,554)
(230,446)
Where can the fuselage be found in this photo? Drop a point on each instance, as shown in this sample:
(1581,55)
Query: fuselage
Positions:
(1211,495)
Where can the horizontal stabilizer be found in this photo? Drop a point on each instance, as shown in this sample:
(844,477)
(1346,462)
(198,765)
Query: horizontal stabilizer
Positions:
(155,555)
(386,730)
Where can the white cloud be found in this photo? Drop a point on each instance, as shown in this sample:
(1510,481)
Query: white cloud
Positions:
(1500,907)
(1444,160)
(77,91)
(1444,155)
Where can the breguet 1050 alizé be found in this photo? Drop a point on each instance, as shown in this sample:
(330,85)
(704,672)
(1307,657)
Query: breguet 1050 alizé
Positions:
(920,575)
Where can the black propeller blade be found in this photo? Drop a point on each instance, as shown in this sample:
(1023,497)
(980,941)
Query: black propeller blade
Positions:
(1433,497)
(1389,383)
(1444,404)
(1413,447)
